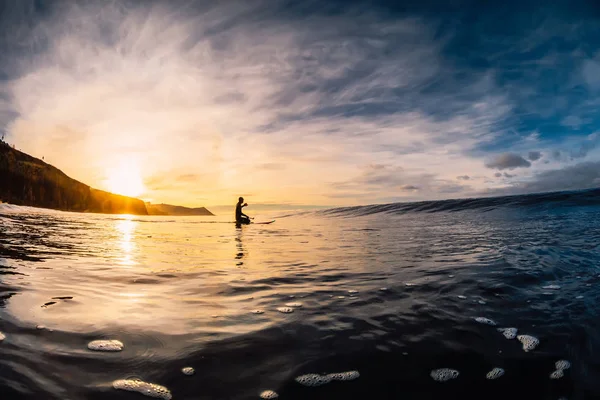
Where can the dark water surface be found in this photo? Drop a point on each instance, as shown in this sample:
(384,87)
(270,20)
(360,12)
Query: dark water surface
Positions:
(379,288)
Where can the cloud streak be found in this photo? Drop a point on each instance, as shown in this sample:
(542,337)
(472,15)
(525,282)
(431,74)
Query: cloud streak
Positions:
(254,98)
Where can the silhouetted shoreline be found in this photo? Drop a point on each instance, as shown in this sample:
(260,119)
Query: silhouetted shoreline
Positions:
(29,181)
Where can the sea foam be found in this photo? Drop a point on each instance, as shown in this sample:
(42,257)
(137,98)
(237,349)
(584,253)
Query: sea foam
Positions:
(319,380)
(485,321)
(105,345)
(529,342)
(269,394)
(562,364)
(188,370)
(313,379)
(495,373)
(145,388)
(444,374)
(509,333)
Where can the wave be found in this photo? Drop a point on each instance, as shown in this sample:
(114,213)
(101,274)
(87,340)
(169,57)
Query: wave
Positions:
(588,197)
(11,208)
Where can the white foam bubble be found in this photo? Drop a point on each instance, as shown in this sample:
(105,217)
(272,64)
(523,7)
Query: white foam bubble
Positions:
(258,312)
(384,288)
(352,291)
(105,345)
(269,394)
(481,302)
(341,297)
(350,375)
(509,333)
(344,376)
(40,327)
(529,342)
(188,370)
(562,365)
(495,373)
(145,388)
(295,305)
(2,337)
(486,321)
(450,276)
(285,310)
(313,379)
(551,287)
(409,284)
(579,297)
(444,374)
(557,374)
(460,296)
(319,380)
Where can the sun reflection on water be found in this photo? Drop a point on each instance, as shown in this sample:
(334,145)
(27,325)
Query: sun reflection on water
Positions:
(126,228)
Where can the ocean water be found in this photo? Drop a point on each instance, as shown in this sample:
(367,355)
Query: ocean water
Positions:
(394,292)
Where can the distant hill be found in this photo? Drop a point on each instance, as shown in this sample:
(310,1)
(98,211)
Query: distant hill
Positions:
(28,181)
(168,209)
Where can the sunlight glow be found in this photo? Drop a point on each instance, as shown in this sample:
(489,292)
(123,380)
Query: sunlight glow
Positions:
(125,179)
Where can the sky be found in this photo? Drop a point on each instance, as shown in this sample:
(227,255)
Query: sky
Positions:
(328,103)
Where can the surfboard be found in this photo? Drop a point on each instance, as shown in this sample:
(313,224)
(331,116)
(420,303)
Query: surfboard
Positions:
(264,223)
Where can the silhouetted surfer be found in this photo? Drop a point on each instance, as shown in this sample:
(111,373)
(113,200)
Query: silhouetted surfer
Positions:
(240,217)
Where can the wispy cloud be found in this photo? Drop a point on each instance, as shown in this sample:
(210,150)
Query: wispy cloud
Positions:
(252,97)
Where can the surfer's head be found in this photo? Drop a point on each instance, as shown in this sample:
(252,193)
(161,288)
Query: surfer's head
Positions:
(241,200)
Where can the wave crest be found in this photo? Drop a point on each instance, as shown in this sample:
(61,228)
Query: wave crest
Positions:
(555,199)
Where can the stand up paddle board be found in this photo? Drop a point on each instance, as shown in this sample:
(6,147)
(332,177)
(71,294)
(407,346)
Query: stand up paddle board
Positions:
(264,223)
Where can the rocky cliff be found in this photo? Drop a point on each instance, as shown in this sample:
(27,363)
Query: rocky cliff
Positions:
(168,209)
(28,181)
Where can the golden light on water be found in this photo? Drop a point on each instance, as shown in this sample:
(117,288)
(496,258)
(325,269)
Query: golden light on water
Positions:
(177,277)
(126,229)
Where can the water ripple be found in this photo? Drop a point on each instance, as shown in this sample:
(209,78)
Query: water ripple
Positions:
(387,291)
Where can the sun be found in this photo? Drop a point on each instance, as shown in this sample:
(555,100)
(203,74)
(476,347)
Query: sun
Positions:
(125,179)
